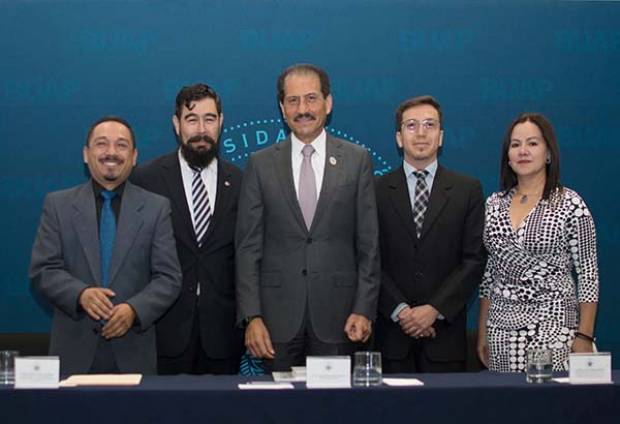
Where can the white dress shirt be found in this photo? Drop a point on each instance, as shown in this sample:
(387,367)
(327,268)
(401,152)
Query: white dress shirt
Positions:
(209,177)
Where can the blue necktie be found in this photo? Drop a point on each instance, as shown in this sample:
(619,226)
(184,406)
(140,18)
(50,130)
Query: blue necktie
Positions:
(107,232)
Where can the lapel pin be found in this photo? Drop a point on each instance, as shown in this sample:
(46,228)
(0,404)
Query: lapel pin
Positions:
(227,183)
(332,160)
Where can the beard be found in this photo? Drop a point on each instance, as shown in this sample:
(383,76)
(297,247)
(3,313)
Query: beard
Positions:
(109,175)
(199,157)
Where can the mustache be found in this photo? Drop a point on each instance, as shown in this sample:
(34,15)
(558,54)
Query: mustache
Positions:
(306,115)
(198,138)
(111,158)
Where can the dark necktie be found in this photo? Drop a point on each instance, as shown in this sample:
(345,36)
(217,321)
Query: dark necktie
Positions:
(202,208)
(307,186)
(107,233)
(421,200)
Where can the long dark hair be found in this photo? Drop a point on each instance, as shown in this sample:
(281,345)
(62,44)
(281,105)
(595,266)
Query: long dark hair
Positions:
(508,178)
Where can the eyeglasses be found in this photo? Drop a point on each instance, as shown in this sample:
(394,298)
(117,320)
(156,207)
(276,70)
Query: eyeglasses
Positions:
(413,125)
(308,99)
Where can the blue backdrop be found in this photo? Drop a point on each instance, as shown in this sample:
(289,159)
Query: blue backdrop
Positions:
(66,63)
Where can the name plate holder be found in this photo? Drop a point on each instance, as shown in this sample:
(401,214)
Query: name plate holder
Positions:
(328,372)
(589,368)
(37,372)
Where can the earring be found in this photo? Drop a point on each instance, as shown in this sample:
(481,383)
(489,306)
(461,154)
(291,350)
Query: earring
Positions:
(548,159)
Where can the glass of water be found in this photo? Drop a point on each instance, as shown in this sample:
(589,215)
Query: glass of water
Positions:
(539,365)
(7,367)
(367,369)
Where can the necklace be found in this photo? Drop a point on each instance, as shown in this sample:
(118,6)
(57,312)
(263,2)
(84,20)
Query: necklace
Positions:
(524,197)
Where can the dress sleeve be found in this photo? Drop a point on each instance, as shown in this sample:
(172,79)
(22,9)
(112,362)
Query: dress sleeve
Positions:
(489,269)
(487,278)
(581,237)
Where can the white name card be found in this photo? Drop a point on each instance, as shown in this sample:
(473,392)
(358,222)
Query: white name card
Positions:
(326,372)
(37,372)
(589,368)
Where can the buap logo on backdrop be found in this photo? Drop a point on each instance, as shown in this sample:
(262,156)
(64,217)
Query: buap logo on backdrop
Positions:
(239,140)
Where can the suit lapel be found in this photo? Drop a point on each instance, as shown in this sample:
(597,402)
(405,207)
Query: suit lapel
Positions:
(184,230)
(284,170)
(334,161)
(440,195)
(85,224)
(399,196)
(129,224)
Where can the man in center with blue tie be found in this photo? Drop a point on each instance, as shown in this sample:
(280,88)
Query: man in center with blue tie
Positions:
(104,258)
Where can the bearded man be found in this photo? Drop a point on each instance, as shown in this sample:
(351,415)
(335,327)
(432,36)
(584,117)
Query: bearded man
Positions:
(198,334)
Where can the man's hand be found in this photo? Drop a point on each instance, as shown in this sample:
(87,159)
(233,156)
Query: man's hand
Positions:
(429,332)
(96,302)
(417,321)
(257,339)
(121,320)
(357,328)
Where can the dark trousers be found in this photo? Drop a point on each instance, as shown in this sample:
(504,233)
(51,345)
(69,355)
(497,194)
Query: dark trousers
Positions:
(417,361)
(194,360)
(104,361)
(306,343)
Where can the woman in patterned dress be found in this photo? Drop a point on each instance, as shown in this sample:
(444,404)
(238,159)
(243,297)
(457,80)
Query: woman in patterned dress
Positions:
(539,235)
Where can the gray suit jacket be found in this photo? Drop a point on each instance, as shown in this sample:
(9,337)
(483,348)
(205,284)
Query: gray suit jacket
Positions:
(282,268)
(144,272)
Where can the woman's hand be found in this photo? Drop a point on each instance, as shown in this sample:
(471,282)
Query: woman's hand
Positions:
(581,346)
(483,348)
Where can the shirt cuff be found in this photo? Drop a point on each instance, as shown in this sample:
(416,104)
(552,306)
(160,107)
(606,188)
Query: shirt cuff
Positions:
(397,311)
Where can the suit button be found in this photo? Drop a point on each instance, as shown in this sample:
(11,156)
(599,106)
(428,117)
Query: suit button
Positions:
(309,240)
(304,272)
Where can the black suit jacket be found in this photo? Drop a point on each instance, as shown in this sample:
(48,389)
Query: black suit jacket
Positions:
(441,268)
(212,264)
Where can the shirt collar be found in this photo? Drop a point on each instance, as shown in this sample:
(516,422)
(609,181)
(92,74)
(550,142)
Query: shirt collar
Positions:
(431,168)
(318,144)
(98,188)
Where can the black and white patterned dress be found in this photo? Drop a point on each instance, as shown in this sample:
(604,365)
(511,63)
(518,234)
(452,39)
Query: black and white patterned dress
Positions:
(534,300)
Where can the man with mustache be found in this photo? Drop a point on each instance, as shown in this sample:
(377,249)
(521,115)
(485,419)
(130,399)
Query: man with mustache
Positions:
(198,334)
(104,257)
(307,236)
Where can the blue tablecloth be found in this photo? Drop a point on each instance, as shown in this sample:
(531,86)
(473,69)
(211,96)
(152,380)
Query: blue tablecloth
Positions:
(445,398)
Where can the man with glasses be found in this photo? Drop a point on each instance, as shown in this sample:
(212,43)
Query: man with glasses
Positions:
(432,258)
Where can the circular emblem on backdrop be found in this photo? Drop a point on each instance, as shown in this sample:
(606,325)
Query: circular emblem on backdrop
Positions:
(239,140)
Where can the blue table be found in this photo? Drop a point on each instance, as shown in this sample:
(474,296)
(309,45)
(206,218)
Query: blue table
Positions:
(445,398)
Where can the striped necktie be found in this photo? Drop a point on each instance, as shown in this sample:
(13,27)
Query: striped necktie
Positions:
(202,208)
(421,200)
